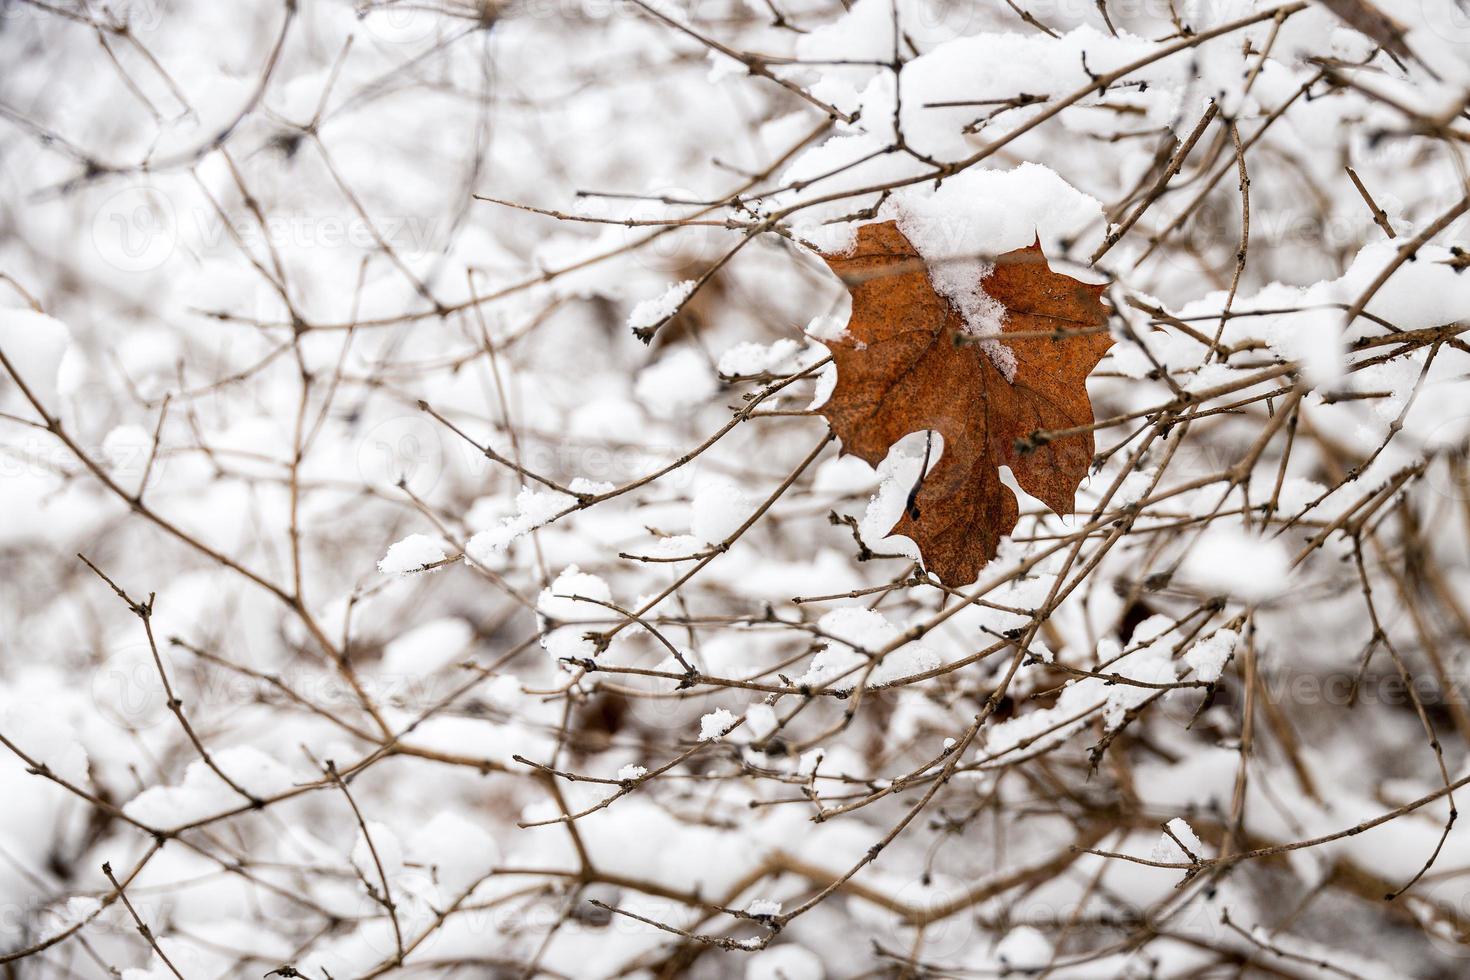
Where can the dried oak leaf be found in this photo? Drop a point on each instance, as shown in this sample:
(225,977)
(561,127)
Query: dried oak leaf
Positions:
(906,364)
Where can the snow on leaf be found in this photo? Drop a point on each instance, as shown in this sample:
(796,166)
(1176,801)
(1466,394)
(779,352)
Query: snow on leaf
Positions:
(908,363)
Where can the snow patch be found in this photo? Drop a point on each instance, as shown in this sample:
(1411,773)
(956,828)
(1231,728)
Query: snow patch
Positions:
(412,554)
(713,726)
(651,312)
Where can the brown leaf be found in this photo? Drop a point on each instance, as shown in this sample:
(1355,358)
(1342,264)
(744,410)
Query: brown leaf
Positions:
(906,364)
